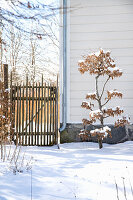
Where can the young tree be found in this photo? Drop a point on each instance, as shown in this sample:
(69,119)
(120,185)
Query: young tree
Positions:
(12,53)
(101,64)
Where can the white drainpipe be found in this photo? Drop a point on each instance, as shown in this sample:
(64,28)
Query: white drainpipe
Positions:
(64,95)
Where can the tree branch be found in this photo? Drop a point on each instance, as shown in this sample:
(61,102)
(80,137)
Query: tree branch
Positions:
(97,93)
(104,87)
(106,117)
(105,102)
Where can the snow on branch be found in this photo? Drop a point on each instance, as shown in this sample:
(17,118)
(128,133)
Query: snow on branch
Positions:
(112,111)
(99,63)
(87,105)
(84,134)
(114,93)
(96,114)
(88,121)
(122,121)
(113,72)
(101,132)
(91,96)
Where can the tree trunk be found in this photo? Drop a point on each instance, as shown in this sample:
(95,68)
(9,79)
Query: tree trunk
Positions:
(100,143)
(100,108)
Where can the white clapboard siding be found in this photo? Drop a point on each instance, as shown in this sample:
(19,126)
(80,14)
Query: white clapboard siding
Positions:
(126,85)
(105,44)
(108,27)
(103,3)
(78,119)
(75,95)
(98,24)
(89,78)
(84,112)
(87,19)
(85,9)
(127,69)
(117,52)
(116,101)
(75,37)
(121,61)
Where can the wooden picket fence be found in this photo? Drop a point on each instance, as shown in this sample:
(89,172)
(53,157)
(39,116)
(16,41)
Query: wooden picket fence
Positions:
(34,112)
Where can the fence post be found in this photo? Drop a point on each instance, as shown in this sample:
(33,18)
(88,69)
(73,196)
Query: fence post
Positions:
(5,66)
(5,102)
(11,110)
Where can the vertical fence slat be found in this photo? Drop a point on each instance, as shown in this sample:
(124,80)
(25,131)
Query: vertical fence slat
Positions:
(23,114)
(44,142)
(32,114)
(57,114)
(38,133)
(26,110)
(17,114)
(53,113)
(11,106)
(48,115)
(36,117)
(41,110)
(14,111)
(29,116)
(20,114)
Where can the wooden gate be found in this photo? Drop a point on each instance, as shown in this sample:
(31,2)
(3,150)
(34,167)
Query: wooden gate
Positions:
(35,113)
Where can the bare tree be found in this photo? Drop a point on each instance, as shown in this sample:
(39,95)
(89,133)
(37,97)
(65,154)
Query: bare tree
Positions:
(12,52)
(15,47)
(21,15)
(16,12)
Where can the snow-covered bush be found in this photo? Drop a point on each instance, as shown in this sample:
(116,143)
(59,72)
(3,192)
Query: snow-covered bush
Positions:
(101,64)
(4,118)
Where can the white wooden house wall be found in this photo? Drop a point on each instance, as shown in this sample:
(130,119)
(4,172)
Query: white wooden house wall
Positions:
(93,24)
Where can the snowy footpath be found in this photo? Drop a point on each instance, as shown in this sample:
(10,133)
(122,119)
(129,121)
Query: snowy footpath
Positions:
(76,171)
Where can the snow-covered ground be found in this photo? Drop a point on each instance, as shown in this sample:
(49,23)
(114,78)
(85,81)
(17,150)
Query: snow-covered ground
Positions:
(75,171)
